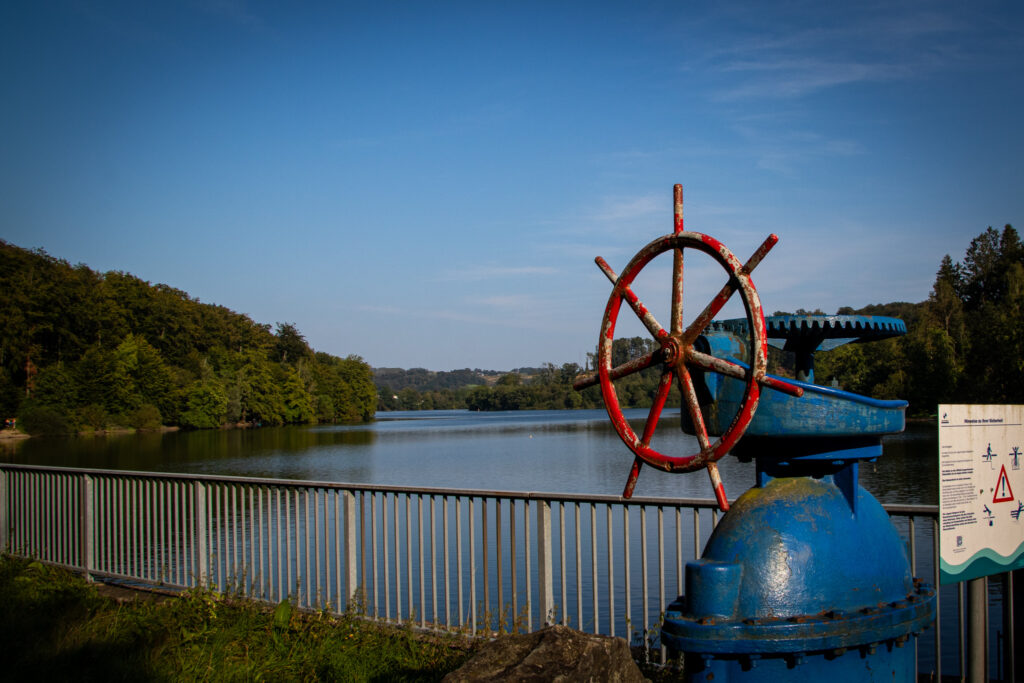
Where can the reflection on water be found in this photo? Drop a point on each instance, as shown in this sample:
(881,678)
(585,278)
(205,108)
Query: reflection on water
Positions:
(551,451)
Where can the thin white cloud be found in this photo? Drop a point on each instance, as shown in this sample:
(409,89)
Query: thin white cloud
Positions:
(491,272)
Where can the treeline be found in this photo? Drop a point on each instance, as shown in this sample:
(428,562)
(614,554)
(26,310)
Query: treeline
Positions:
(965,344)
(83,350)
(548,387)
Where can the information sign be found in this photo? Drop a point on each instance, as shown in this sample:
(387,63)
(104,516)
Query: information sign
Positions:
(981,490)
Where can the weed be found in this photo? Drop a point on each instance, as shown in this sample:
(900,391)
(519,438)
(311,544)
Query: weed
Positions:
(55,626)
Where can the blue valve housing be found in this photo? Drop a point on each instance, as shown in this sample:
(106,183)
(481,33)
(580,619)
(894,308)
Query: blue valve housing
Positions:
(805,576)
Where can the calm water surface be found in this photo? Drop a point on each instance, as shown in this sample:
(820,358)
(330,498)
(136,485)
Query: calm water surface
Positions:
(573,451)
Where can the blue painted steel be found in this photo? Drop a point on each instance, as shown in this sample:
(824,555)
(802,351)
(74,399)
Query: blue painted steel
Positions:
(805,576)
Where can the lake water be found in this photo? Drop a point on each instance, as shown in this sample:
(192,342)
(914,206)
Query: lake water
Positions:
(565,451)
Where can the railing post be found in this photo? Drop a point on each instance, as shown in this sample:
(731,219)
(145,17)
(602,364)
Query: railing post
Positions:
(85,516)
(545,581)
(199,524)
(351,578)
(5,519)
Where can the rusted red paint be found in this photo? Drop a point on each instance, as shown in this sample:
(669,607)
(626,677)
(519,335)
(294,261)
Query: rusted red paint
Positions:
(677,353)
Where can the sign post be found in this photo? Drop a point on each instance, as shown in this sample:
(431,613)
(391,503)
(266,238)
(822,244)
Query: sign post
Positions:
(981,500)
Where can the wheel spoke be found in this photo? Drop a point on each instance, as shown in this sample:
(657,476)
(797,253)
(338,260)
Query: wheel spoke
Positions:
(677,266)
(642,312)
(718,487)
(628,368)
(730,369)
(723,296)
(693,406)
(634,473)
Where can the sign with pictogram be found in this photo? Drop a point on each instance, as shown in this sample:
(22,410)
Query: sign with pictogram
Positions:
(1003,492)
(980,527)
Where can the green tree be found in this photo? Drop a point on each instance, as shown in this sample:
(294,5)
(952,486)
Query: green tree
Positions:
(206,405)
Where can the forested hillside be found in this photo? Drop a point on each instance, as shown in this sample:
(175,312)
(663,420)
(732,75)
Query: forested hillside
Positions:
(86,350)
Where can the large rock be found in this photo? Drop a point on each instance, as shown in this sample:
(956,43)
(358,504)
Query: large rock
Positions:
(556,653)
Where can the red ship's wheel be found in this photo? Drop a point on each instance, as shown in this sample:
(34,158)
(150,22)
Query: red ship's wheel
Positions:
(676,353)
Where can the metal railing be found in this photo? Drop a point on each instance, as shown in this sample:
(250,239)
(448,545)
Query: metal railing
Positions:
(482,562)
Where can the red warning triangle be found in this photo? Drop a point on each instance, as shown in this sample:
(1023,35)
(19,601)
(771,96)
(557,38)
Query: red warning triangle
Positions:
(1003,492)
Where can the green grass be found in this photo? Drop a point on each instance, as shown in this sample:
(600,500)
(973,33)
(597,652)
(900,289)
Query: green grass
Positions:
(56,626)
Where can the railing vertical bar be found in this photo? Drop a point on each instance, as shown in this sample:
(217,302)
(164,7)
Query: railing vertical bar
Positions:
(472,566)
(627,604)
(268,543)
(351,579)
(216,551)
(234,576)
(611,572)
(498,559)
(512,557)
(263,546)
(483,543)
(5,511)
(387,560)
(306,552)
(398,557)
(408,556)
(199,492)
(251,579)
(433,561)
(661,574)
(527,565)
(419,523)
(324,600)
(161,531)
(696,533)
(643,577)
(172,536)
(84,524)
(913,572)
(594,587)
(163,540)
(118,527)
(458,556)
(679,550)
(561,562)
(545,582)
(55,518)
(444,546)
(362,546)
(316,541)
(373,545)
(289,588)
(271,558)
(149,497)
(579,573)
(310,553)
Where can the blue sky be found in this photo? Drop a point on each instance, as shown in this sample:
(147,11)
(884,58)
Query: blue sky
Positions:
(427,184)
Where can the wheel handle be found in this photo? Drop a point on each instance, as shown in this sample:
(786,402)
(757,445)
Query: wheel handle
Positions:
(676,353)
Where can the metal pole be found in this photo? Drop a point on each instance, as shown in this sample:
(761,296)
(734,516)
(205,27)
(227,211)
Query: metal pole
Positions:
(85,524)
(977,659)
(544,573)
(5,537)
(200,531)
(351,580)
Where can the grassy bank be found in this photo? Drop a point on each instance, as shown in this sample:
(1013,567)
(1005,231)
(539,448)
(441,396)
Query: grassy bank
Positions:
(55,626)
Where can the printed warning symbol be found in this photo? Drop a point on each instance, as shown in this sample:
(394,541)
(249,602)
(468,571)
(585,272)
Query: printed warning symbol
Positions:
(1003,492)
